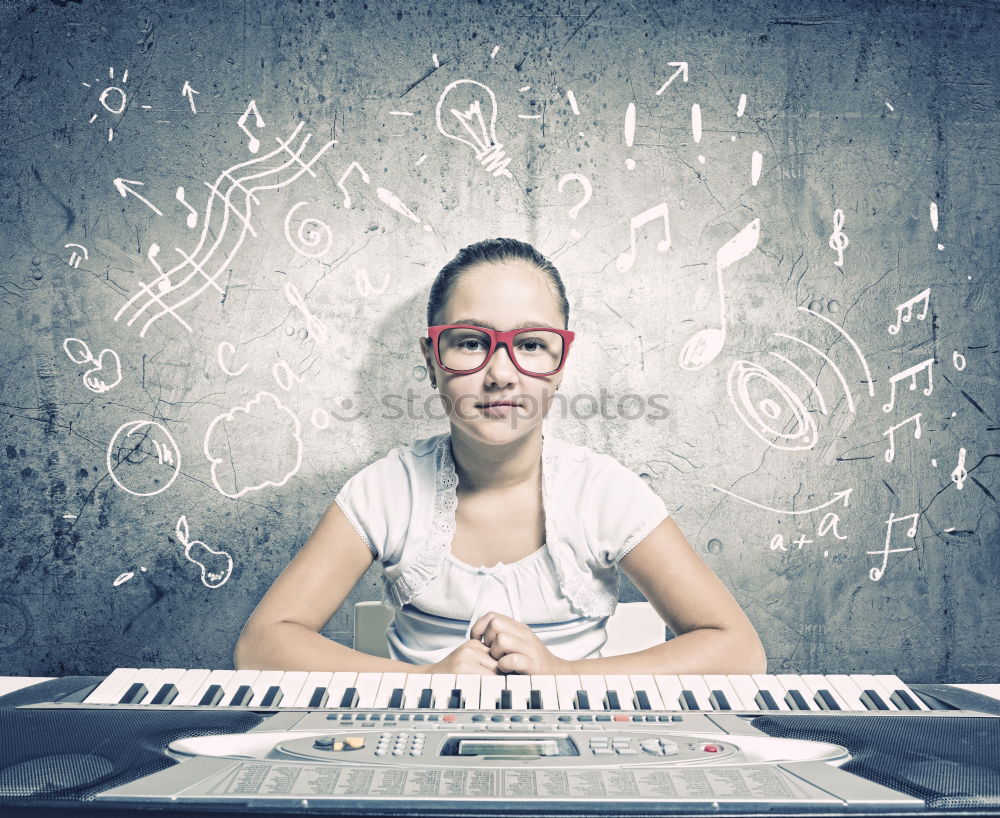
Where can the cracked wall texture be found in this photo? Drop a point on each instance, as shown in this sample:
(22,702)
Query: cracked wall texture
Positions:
(271,395)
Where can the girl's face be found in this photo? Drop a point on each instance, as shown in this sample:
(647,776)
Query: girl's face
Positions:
(501,296)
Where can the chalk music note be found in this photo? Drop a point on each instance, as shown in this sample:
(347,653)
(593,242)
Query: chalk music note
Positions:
(877,573)
(254,144)
(910,373)
(703,347)
(162,281)
(660,211)
(890,453)
(959,475)
(838,238)
(904,312)
(192,217)
(345,174)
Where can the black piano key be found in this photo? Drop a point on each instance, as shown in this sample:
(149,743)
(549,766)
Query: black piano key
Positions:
(456,701)
(242,696)
(319,697)
(611,701)
(535,700)
(903,700)
(426,698)
(135,694)
(396,699)
(824,698)
(273,697)
(933,702)
(350,697)
(212,696)
(795,700)
(873,701)
(642,700)
(582,701)
(765,700)
(688,701)
(166,694)
(719,700)
(506,700)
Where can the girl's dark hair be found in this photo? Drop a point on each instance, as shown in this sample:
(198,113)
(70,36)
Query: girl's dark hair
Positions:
(487,251)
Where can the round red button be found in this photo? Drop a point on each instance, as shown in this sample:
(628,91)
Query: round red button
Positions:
(710,748)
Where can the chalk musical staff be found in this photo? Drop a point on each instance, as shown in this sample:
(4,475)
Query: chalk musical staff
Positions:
(877,573)
(904,311)
(229,203)
(890,453)
(910,373)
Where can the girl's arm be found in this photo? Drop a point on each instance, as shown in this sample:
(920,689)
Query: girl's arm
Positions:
(283,631)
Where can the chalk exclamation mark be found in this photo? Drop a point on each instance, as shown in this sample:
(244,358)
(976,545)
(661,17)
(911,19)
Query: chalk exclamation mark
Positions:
(934,221)
(696,127)
(630,132)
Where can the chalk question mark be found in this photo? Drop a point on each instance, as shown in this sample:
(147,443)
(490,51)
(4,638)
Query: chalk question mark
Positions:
(587,192)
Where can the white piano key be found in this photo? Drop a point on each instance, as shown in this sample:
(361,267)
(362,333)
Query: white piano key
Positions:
(621,685)
(469,684)
(235,682)
(489,692)
(389,683)
(190,683)
(215,677)
(442,684)
(315,679)
(264,681)
(415,685)
(595,687)
(520,689)
(867,681)
(339,682)
(816,682)
(745,690)
(792,681)
(646,682)
(166,677)
(892,683)
(768,682)
(848,691)
(546,686)
(112,688)
(367,686)
(721,683)
(696,684)
(669,685)
(566,686)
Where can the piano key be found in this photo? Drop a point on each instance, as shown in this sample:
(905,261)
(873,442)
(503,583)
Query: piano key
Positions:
(211,697)
(796,701)
(745,691)
(546,686)
(188,685)
(642,700)
(873,700)
(147,677)
(387,686)
(456,701)
(272,696)
(165,695)
(320,696)
(134,694)
(242,696)
(689,701)
(719,701)
(535,700)
(415,683)
(621,685)
(566,686)
(866,682)
(797,695)
(265,680)
(215,678)
(849,693)
(721,683)
(611,701)
(396,699)
(895,687)
(349,700)
(506,699)
(581,701)
(768,682)
(426,700)
(337,685)
(766,701)
(111,689)
(670,689)
(314,681)
(442,684)
(595,687)
(367,687)
(696,685)
(644,682)
(826,701)
(822,692)
(469,684)
(520,688)
(489,691)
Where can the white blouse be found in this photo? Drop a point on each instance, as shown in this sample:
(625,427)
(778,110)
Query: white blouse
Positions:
(403,506)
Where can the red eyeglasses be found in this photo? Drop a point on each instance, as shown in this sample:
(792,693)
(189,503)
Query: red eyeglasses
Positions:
(465,348)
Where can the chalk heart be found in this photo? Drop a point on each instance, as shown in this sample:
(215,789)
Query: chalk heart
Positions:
(216,566)
(107,364)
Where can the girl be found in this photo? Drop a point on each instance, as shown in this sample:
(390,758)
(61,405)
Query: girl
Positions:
(500,546)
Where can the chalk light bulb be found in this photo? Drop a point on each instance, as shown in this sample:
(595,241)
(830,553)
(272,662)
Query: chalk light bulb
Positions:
(468,104)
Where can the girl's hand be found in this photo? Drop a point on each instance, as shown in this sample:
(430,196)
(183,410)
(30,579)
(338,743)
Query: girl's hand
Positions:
(471,656)
(516,647)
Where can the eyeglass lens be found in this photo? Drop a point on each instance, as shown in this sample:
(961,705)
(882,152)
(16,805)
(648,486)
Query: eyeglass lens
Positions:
(536,351)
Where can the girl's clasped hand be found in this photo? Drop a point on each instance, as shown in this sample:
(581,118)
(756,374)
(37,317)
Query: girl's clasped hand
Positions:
(499,645)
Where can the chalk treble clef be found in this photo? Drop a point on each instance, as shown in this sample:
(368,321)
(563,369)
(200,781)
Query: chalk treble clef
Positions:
(838,238)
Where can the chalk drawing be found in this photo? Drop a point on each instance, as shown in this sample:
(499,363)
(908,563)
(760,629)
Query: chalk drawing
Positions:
(391,200)
(229,350)
(312,239)
(854,346)
(890,453)
(960,475)
(841,496)
(682,71)
(127,458)
(904,311)
(313,324)
(911,373)
(741,105)
(213,575)
(217,246)
(756,163)
(836,369)
(122,578)
(767,418)
(238,425)
(94,378)
(476,123)
(254,144)
(112,99)
(192,216)
(122,185)
(571,98)
(704,346)
(877,573)
(828,524)
(584,182)
(661,211)
(343,178)
(958,360)
(75,257)
(364,285)
(934,222)
(320,418)
(189,92)
(284,375)
(696,127)
(838,238)
(630,132)
(813,385)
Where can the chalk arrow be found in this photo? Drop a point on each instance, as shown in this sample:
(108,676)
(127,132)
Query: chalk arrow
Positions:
(124,190)
(682,69)
(840,495)
(189,92)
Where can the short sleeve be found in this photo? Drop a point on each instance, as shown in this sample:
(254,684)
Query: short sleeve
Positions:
(628,510)
(377,502)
